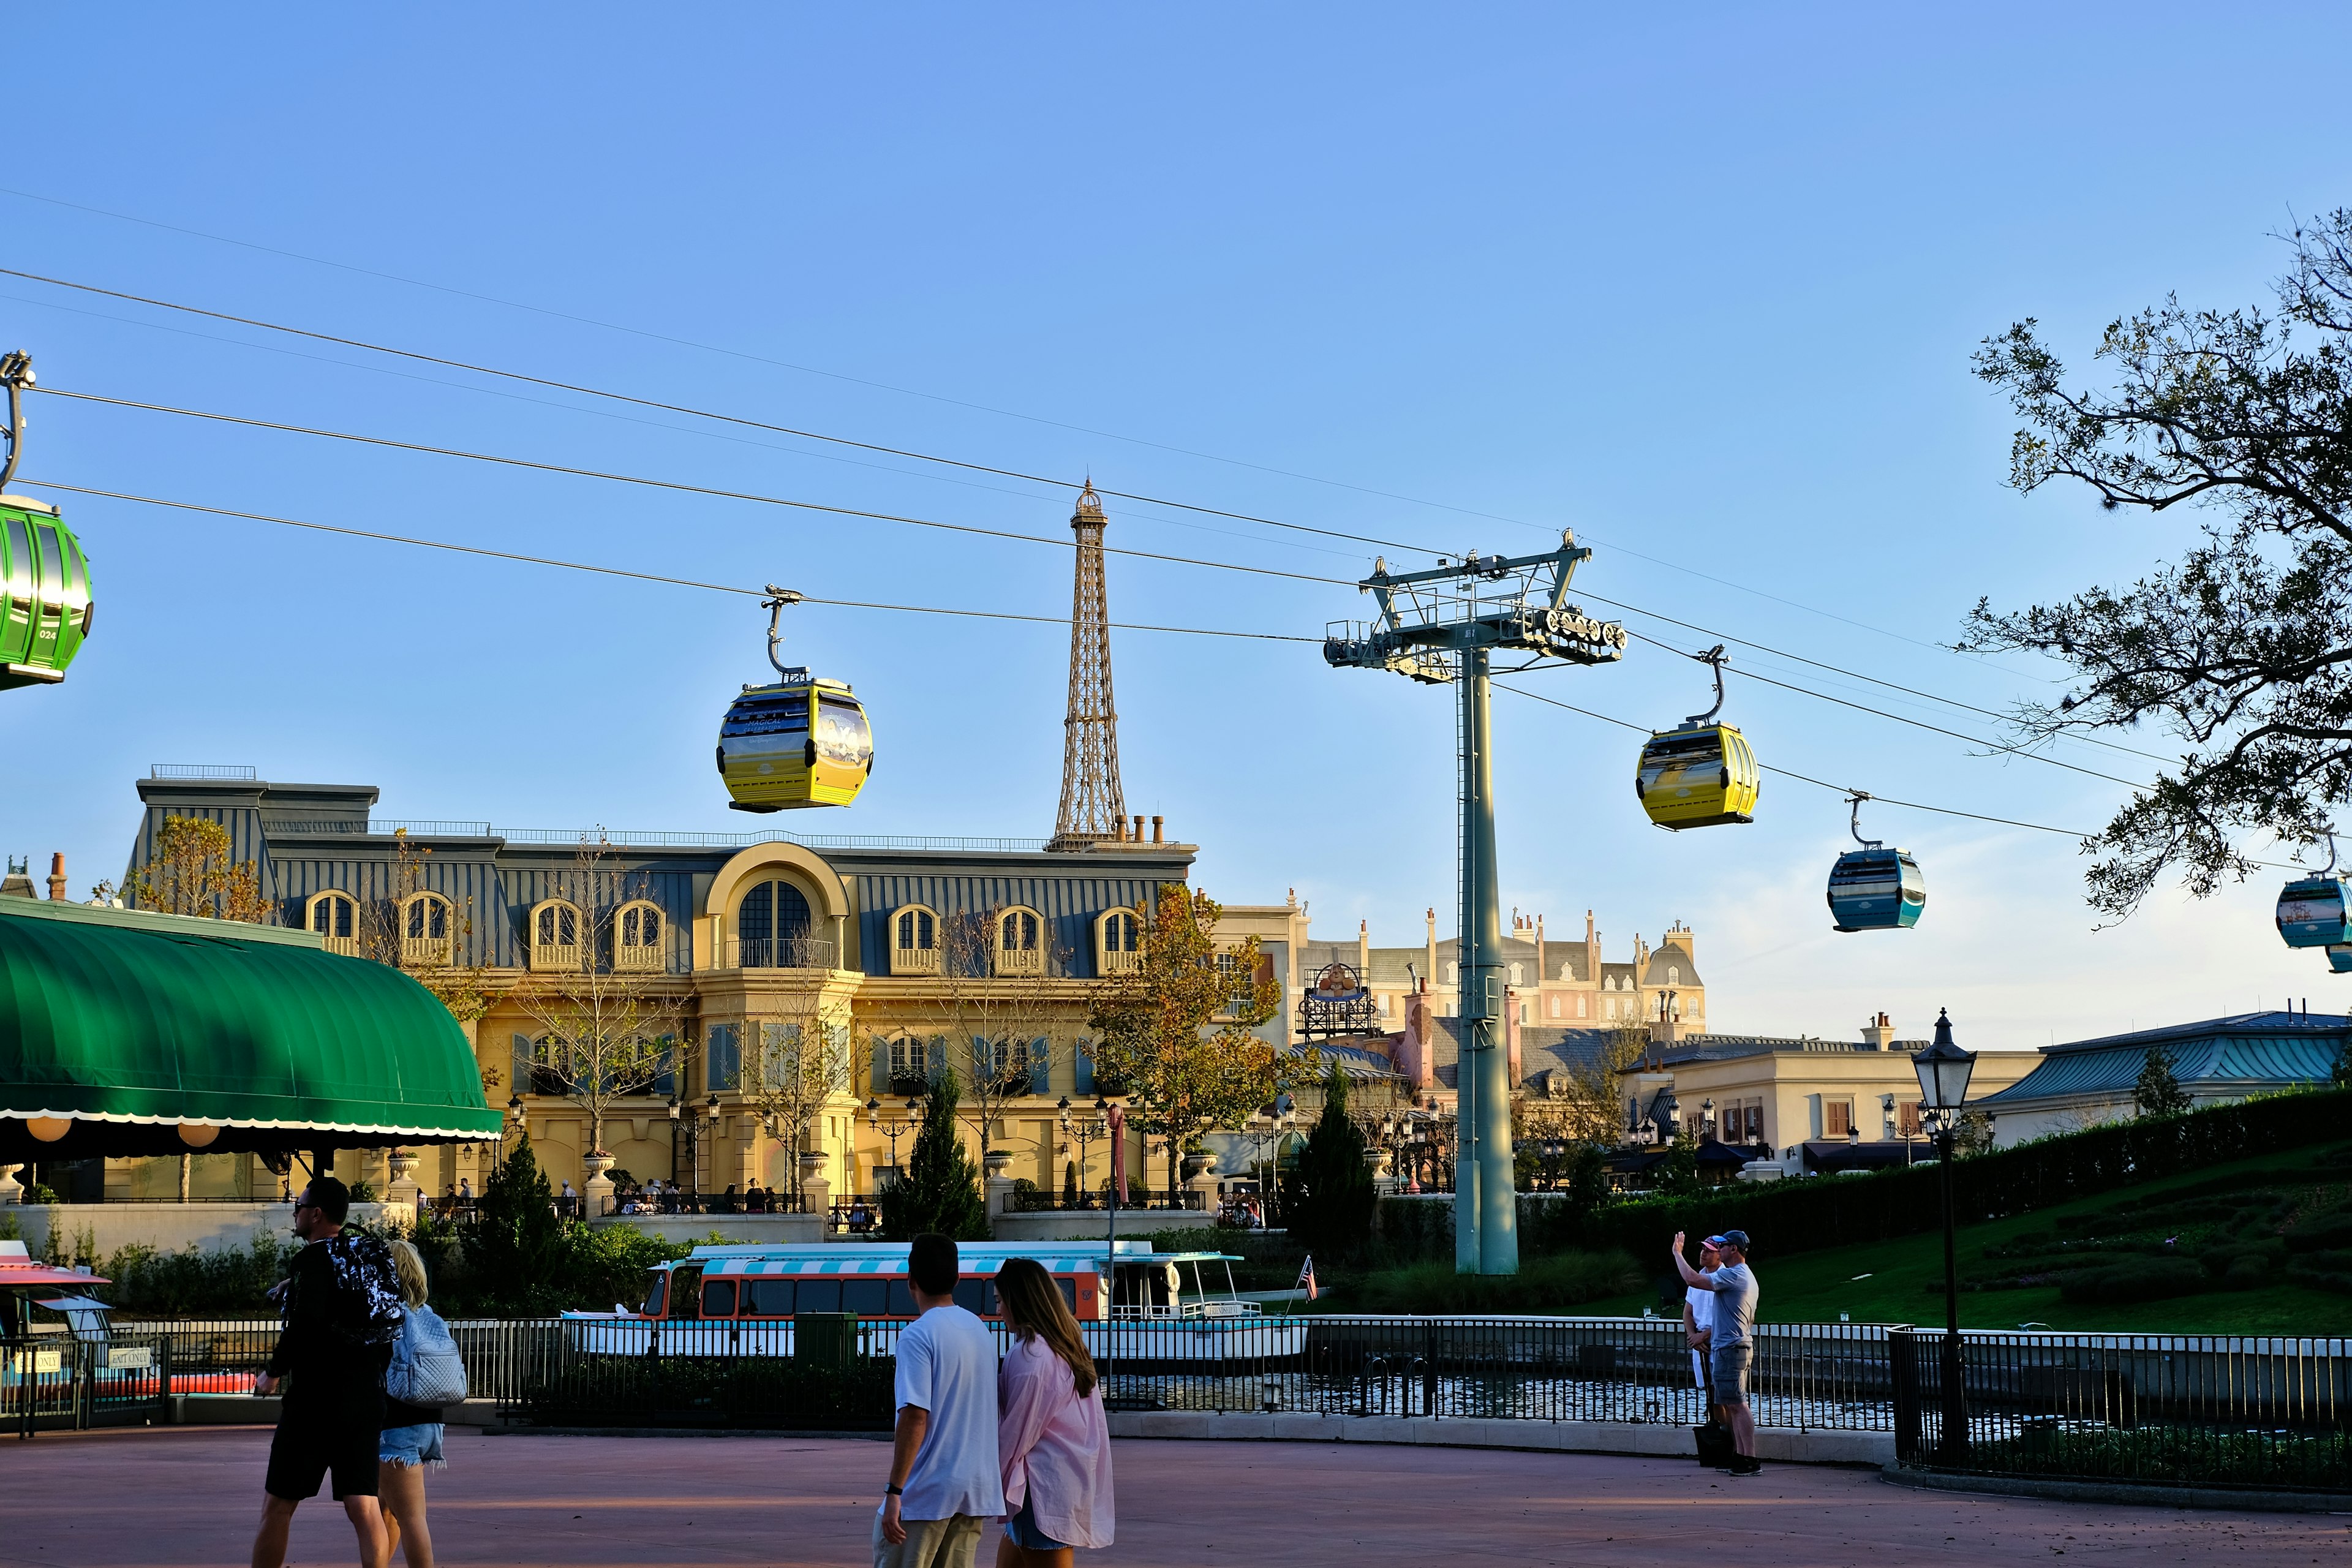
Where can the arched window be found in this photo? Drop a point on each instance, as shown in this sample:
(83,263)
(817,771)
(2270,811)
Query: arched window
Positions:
(1020,942)
(915,941)
(335,918)
(554,935)
(1453,975)
(424,926)
(1514,974)
(1119,943)
(771,928)
(637,938)
(1674,975)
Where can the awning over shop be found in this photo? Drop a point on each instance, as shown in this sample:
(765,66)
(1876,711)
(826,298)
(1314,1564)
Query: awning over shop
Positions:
(126,1033)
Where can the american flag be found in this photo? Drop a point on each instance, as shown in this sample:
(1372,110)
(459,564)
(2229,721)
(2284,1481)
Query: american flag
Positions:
(1307,1277)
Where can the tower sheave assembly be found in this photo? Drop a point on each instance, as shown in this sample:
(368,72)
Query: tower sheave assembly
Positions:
(1092,805)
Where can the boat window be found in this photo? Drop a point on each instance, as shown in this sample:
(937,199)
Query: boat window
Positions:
(819,1296)
(899,1300)
(685,1293)
(767,1298)
(971,1295)
(719,1298)
(1069,1292)
(864,1297)
(656,1290)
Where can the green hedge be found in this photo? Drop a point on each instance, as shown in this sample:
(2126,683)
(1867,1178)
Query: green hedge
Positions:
(1804,1215)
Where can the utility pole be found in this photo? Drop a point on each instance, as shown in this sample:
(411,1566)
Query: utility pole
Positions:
(1438,627)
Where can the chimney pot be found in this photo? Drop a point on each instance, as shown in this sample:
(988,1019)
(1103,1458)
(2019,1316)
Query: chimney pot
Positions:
(1158,823)
(58,876)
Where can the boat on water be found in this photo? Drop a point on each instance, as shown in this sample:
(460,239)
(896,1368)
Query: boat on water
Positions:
(1134,1305)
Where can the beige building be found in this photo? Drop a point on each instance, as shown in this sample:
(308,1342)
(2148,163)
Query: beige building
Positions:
(1783,1093)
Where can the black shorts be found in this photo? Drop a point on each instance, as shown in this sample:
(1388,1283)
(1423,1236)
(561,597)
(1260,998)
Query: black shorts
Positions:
(313,1443)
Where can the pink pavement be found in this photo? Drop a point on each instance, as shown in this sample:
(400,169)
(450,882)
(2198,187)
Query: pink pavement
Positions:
(191,1496)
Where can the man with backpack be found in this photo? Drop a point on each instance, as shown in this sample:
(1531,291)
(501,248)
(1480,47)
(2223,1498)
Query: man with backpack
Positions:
(341,1307)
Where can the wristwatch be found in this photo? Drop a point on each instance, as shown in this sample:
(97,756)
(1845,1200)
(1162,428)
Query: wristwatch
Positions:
(889,1491)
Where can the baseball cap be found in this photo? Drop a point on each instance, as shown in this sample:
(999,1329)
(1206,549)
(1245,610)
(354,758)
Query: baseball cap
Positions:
(1712,1241)
(1737,1238)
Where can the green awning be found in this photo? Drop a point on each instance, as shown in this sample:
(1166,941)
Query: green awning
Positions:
(124,1026)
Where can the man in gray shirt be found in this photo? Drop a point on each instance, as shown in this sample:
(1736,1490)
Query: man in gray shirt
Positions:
(1735,1289)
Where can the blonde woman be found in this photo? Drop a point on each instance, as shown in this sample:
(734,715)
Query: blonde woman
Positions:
(411,1438)
(1052,1441)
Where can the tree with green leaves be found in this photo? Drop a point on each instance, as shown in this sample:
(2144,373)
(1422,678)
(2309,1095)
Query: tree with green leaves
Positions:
(1331,1195)
(1174,1033)
(2241,649)
(517,1247)
(2158,1092)
(941,1188)
(194,871)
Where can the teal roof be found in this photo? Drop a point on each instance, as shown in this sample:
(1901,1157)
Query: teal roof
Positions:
(2239,1054)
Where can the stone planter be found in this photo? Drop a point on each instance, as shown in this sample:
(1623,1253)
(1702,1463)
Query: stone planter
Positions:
(401,1190)
(11,1190)
(596,1193)
(1202,1163)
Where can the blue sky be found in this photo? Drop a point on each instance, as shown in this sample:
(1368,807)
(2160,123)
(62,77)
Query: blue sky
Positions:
(1703,290)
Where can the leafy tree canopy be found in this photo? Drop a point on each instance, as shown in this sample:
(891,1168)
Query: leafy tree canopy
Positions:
(2158,1092)
(2241,649)
(1332,1195)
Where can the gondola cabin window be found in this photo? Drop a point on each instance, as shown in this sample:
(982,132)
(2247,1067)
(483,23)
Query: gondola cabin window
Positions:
(637,939)
(554,935)
(425,932)
(1020,942)
(334,917)
(915,941)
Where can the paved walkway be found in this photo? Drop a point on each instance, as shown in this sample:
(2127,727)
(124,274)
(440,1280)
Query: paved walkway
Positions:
(189,1495)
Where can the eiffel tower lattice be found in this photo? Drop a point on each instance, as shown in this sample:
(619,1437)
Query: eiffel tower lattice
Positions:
(1092,807)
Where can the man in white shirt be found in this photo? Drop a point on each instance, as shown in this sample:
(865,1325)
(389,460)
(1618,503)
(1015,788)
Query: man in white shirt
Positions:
(1698,1322)
(944,1479)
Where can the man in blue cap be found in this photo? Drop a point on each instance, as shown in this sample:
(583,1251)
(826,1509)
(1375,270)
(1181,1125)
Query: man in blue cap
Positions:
(1734,1289)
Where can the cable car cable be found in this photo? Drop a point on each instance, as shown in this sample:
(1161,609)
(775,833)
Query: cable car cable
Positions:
(1917,723)
(654,576)
(954,528)
(700,413)
(681,486)
(886,386)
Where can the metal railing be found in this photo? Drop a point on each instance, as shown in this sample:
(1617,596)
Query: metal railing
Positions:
(783,952)
(2215,1410)
(50,1381)
(233,771)
(649,1204)
(1046,1201)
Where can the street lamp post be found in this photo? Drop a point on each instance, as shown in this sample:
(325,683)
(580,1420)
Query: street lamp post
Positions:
(1944,1068)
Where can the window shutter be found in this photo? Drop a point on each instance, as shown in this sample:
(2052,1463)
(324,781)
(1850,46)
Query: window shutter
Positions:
(519,1078)
(877,1082)
(1082,1063)
(1040,1067)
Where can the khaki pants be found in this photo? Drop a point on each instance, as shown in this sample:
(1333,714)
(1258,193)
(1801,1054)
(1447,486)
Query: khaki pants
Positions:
(930,1542)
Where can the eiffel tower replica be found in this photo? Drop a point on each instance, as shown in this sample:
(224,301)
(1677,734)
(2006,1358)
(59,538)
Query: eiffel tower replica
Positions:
(1093,810)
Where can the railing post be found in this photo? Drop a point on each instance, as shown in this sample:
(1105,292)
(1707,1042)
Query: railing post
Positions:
(1903,1383)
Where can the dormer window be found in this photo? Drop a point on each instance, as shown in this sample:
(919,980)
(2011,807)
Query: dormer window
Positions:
(1118,945)
(1020,942)
(425,932)
(915,941)
(555,935)
(637,938)
(335,917)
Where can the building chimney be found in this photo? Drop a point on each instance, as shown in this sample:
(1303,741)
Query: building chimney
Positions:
(1158,824)
(1138,828)
(1541,973)
(57,878)
(1363,951)
(1432,941)
(1878,1034)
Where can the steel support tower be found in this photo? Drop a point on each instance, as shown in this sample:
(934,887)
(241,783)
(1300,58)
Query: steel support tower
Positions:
(1093,806)
(1444,624)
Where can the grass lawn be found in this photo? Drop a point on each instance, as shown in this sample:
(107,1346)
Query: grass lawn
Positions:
(1901,1280)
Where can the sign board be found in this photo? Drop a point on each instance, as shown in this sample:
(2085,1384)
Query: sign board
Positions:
(36,1362)
(140,1357)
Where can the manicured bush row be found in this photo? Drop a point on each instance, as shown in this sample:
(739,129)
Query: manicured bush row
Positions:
(1789,1217)
(1804,1215)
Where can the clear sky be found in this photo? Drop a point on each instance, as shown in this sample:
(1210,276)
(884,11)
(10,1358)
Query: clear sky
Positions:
(1703,290)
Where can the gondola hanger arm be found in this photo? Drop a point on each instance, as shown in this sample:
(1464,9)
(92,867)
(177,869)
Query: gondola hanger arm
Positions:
(15,374)
(1857,797)
(1714,659)
(774,605)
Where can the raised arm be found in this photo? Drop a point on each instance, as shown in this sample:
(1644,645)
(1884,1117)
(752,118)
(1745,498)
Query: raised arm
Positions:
(1690,1276)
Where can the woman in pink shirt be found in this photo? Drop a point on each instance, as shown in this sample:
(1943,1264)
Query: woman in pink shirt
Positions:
(1051,1437)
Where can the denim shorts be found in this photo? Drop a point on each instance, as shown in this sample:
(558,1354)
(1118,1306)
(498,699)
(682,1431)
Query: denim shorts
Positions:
(1022,1531)
(1728,1366)
(409,1446)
